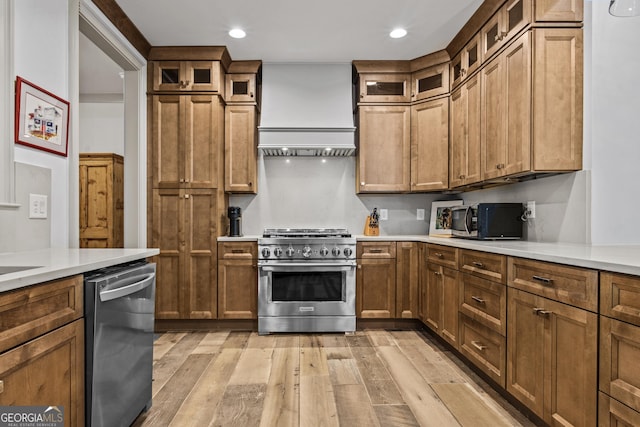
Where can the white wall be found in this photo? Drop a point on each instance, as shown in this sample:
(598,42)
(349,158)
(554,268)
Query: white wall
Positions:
(102,127)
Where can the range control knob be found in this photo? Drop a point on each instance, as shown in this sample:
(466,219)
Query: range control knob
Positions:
(306,252)
(290,251)
(266,252)
(347,252)
(324,251)
(336,251)
(277,252)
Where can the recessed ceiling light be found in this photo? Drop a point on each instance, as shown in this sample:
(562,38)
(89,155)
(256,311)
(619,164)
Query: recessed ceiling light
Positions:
(398,33)
(237,33)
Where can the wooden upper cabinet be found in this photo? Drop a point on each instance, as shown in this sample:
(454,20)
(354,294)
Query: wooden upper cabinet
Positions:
(384,87)
(429,82)
(558,10)
(466,62)
(241,88)
(504,25)
(464,148)
(240,149)
(383,164)
(430,145)
(184,76)
(187,131)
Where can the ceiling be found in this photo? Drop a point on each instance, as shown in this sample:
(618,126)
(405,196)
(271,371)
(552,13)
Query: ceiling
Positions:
(291,30)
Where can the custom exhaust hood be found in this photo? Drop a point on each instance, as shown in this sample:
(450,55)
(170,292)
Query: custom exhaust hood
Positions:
(306,110)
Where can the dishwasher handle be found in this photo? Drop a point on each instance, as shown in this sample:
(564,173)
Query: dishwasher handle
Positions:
(119,292)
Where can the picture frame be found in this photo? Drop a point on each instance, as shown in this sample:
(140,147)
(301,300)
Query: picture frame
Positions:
(439,224)
(41,118)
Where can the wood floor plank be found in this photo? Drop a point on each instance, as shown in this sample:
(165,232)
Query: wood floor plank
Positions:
(381,387)
(164,343)
(338,353)
(353,406)
(253,367)
(406,337)
(334,340)
(282,400)
(261,341)
(241,406)
(169,399)
(380,338)
(395,415)
(173,359)
(237,339)
(343,372)
(467,406)
(430,366)
(211,343)
(317,402)
(200,406)
(359,339)
(287,341)
(422,400)
(313,361)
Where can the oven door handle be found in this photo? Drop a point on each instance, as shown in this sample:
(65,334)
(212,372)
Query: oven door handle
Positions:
(284,267)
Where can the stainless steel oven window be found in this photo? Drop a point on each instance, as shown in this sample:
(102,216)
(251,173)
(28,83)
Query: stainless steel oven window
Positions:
(308,286)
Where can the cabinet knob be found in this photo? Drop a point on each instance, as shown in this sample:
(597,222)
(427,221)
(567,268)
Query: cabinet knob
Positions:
(251,94)
(359,267)
(251,184)
(437,273)
(438,254)
(362,95)
(361,182)
(186,196)
(461,177)
(181,179)
(503,35)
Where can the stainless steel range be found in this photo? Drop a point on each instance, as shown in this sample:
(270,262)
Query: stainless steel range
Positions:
(306,281)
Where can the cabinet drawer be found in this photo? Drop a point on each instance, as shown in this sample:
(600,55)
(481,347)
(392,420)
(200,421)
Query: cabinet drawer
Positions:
(376,250)
(488,266)
(572,285)
(612,413)
(237,250)
(33,311)
(620,297)
(484,348)
(484,301)
(443,255)
(619,356)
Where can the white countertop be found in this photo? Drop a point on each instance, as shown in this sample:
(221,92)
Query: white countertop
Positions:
(57,263)
(616,258)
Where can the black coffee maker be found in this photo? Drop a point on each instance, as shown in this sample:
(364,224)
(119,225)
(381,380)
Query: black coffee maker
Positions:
(235,221)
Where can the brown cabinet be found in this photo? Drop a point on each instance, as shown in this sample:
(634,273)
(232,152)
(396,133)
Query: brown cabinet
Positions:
(447,256)
(552,358)
(484,301)
(101,200)
(384,87)
(42,348)
(237,280)
(612,413)
(407,270)
(504,25)
(191,76)
(376,280)
(620,297)
(465,148)
(430,145)
(484,347)
(485,265)
(430,82)
(466,61)
(243,87)
(241,152)
(383,163)
(441,302)
(184,224)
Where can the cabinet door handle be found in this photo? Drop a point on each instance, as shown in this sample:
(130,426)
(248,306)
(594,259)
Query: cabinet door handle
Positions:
(478,264)
(181,179)
(461,177)
(359,267)
(437,273)
(237,251)
(375,251)
(477,299)
(541,312)
(438,254)
(250,184)
(544,280)
(1,386)
(186,196)
(251,94)
(478,345)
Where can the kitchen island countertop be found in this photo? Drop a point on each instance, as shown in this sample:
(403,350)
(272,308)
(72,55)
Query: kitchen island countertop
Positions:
(57,263)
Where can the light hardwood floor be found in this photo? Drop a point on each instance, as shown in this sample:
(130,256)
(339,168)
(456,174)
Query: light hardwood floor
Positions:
(370,378)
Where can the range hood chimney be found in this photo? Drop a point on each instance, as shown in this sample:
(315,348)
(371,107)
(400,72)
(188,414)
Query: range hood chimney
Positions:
(306,110)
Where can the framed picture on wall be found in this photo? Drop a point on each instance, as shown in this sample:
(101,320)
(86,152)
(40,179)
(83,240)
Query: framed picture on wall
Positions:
(440,221)
(42,118)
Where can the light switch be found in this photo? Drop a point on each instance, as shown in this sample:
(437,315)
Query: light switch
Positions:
(384,214)
(37,206)
(420,215)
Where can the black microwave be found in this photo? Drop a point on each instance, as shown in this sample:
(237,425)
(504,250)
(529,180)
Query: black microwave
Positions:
(487,221)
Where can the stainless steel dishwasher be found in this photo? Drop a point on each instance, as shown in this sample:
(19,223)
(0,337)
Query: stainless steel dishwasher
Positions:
(119,311)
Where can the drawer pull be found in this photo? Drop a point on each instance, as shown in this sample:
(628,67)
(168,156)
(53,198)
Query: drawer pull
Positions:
(478,345)
(542,279)
(478,264)
(438,254)
(541,312)
(477,299)
(237,251)
(437,273)
(1,386)
(375,251)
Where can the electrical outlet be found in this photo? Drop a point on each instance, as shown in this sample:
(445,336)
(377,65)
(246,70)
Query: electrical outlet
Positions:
(384,214)
(530,210)
(420,215)
(37,206)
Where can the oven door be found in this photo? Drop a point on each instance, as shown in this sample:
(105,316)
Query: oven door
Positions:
(306,289)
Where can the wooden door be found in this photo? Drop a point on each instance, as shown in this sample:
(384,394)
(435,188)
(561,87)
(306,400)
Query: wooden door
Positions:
(434,303)
(167,144)
(376,288)
(430,145)
(204,130)
(237,289)
(200,285)
(493,113)
(407,265)
(450,306)
(465,158)
(383,163)
(430,82)
(525,350)
(458,134)
(240,149)
(559,10)
(571,365)
(47,371)
(517,98)
(167,233)
(422,280)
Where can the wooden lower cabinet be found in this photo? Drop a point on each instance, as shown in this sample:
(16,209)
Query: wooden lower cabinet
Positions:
(376,288)
(484,347)
(552,358)
(237,280)
(184,227)
(612,413)
(441,302)
(484,301)
(47,371)
(407,260)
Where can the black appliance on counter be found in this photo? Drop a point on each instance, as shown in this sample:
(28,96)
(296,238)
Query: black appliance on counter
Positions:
(488,221)
(235,221)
